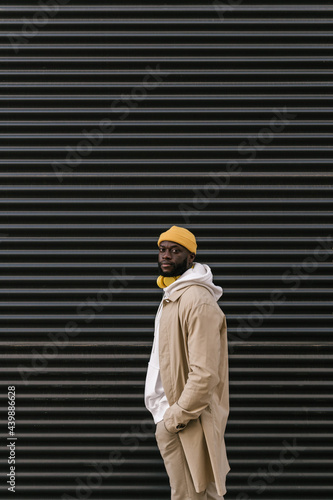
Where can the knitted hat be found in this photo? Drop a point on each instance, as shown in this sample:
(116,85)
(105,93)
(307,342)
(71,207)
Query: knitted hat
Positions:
(181,236)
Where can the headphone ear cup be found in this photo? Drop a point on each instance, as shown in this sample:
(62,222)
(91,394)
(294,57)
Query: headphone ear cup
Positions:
(163,281)
(160,282)
(168,280)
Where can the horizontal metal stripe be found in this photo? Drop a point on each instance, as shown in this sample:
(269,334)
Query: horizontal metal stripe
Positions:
(163,176)
(285,369)
(161,489)
(168,72)
(149,330)
(120,423)
(167,201)
(152,267)
(276,344)
(290,475)
(124,384)
(144,317)
(316,461)
(96,356)
(117,488)
(164,123)
(95,343)
(140,213)
(143,226)
(152,461)
(153,448)
(92,35)
(172,85)
(173,97)
(86,370)
(146,110)
(183,110)
(140,253)
(129,346)
(154,46)
(247,188)
(235,409)
(284,163)
(144,305)
(161,59)
(253,291)
(78,384)
(117,399)
(109,409)
(142,370)
(133,399)
(286,489)
(175,149)
(76,435)
(95,34)
(149,136)
(65,474)
(170,21)
(156,293)
(172,8)
(232,447)
(152,241)
(164,135)
(66,460)
(251,278)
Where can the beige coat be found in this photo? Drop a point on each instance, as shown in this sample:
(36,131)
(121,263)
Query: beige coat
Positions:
(193,358)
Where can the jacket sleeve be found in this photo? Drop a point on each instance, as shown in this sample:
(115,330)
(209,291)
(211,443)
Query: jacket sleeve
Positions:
(204,326)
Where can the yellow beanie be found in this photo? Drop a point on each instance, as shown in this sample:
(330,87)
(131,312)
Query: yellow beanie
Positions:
(181,236)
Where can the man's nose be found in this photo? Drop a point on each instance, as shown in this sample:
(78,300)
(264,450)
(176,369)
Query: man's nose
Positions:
(167,254)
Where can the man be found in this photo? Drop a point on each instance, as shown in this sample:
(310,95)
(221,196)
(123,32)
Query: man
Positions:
(187,379)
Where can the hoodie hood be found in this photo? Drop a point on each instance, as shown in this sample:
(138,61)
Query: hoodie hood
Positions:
(199,274)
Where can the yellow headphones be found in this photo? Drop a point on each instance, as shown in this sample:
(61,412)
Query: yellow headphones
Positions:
(163,281)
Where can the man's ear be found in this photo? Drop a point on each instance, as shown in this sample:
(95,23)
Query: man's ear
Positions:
(192,257)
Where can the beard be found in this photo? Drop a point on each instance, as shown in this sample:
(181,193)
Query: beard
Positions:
(177,269)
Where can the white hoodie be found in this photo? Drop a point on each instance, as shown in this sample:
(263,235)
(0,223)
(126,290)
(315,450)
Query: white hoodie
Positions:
(155,398)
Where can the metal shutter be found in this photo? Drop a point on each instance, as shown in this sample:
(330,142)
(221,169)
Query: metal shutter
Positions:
(117,121)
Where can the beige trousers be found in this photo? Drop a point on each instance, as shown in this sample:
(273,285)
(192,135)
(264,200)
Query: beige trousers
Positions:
(180,479)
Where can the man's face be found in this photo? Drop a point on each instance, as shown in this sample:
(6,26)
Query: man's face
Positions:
(173,259)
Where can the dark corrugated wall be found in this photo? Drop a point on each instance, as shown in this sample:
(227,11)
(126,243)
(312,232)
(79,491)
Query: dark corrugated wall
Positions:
(117,121)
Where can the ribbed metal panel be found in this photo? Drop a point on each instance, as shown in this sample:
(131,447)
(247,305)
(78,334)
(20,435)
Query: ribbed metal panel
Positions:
(221,121)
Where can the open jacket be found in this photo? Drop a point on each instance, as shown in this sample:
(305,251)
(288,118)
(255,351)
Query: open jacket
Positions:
(193,359)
